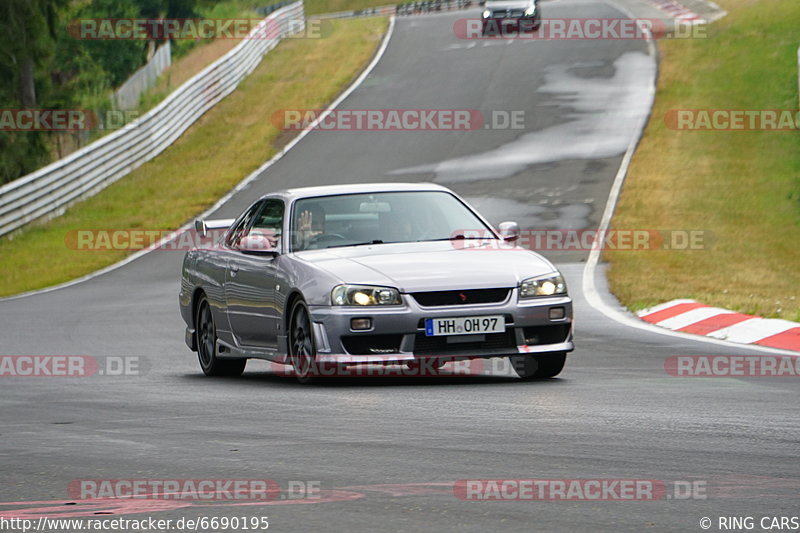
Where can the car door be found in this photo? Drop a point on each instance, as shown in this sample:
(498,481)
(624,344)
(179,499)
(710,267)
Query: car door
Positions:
(250,281)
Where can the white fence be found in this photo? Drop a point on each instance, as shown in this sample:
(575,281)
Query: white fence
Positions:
(367,12)
(127,96)
(50,190)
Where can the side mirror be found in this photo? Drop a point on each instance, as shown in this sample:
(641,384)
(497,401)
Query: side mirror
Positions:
(509,231)
(258,244)
(202,226)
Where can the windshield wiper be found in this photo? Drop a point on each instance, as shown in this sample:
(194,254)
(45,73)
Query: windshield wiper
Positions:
(365,243)
(459,237)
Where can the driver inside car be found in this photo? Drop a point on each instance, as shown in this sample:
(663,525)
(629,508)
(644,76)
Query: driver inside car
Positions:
(310,227)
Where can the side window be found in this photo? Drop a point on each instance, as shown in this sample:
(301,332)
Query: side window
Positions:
(269,220)
(243,225)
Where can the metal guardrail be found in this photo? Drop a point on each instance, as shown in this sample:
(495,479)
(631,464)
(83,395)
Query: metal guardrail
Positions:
(267,10)
(432,6)
(51,189)
(404,9)
(355,13)
(127,95)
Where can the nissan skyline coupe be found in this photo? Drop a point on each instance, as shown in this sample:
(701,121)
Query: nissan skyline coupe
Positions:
(371,274)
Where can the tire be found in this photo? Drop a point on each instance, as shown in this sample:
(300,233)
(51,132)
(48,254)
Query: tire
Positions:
(206,333)
(538,367)
(302,348)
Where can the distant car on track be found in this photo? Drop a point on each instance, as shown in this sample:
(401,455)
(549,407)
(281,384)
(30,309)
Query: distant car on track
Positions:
(371,274)
(499,15)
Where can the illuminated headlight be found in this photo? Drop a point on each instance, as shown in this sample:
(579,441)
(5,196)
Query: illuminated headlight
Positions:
(549,285)
(361,295)
(530,11)
(487,14)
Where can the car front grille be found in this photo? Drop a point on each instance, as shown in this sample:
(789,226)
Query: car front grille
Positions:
(508,13)
(424,345)
(466,297)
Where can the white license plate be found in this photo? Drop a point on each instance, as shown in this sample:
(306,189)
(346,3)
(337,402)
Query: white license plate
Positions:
(465,325)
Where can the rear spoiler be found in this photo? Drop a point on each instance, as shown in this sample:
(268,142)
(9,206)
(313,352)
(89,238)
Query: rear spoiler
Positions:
(202,226)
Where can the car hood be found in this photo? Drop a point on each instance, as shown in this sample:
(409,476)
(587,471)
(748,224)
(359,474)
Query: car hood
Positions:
(431,266)
(512,4)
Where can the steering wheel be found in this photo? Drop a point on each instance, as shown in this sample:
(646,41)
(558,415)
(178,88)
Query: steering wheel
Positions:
(426,234)
(325,237)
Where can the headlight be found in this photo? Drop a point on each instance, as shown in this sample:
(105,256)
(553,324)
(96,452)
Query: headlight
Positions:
(548,285)
(360,295)
(487,14)
(530,11)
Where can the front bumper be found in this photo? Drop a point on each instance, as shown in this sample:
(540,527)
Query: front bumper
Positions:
(398,333)
(525,22)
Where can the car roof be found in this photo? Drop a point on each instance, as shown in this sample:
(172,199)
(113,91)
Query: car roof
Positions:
(355,188)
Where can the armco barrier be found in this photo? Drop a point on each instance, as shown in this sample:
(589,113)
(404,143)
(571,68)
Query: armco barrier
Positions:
(50,190)
(127,95)
(356,13)
(408,8)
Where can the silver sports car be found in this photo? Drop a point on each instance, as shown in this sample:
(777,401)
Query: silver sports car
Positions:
(371,274)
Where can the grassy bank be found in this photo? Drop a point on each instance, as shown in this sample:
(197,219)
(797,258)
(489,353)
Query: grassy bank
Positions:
(315,7)
(218,151)
(741,186)
(181,70)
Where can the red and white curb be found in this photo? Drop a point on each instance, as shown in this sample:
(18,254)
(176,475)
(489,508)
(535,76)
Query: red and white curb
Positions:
(678,12)
(690,316)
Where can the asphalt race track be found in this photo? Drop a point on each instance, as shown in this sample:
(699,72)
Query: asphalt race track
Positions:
(387,451)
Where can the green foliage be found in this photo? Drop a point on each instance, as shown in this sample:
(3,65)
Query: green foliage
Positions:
(44,66)
(27,37)
(118,58)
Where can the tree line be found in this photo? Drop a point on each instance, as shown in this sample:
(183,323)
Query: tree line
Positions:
(43,66)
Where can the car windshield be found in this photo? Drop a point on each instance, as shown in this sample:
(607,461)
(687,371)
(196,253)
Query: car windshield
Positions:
(381,218)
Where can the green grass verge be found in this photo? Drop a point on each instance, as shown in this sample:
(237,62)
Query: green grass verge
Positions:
(316,7)
(743,187)
(218,151)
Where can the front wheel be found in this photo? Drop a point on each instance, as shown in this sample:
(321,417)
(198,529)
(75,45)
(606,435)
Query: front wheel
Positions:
(207,345)
(538,367)
(302,349)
